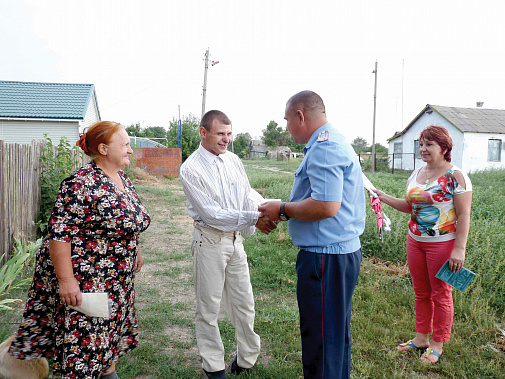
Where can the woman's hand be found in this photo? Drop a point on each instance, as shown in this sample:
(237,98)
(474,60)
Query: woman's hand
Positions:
(60,252)
(140,262)
(457,259)
(399,204)
(379,193)
(70,293)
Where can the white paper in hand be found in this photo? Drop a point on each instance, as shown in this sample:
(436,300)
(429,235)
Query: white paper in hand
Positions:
(255,197)
(94,304)
(368,185)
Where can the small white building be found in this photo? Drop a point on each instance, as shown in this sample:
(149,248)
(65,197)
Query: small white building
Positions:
(29,110)
(477,135)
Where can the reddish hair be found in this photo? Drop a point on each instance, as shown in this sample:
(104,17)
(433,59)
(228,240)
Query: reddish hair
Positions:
(441,136)
(99,132)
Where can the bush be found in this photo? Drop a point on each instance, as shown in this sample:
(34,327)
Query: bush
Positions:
(381,164)
(56,164)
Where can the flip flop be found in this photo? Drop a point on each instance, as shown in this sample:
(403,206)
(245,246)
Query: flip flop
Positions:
(409,345)
(427,356)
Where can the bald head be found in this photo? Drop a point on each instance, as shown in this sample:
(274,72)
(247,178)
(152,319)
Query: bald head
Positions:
(305,113)
(310,103)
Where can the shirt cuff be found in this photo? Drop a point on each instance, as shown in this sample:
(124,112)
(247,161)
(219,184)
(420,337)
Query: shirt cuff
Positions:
(252,217)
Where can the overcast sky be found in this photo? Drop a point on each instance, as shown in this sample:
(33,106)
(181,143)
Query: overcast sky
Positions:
(146,58)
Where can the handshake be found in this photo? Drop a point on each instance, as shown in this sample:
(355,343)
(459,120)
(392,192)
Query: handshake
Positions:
(269,215)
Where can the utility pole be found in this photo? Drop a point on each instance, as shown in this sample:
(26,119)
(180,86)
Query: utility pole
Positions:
(212,63)
(374,109)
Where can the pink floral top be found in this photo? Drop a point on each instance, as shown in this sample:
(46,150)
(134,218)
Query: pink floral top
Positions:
(433,216)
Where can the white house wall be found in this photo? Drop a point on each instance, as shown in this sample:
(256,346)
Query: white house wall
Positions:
(91,115)
(24,131)
(476,152)
(406,160)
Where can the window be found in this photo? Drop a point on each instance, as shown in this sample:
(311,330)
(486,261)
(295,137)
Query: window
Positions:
(398,147)
(417,154)
(494,150)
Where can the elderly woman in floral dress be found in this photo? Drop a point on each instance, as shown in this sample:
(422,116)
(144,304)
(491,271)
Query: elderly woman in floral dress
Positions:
(91,246)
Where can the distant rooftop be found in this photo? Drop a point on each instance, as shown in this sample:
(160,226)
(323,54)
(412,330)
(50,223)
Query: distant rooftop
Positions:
(44,100)
(144,142)
(475,120)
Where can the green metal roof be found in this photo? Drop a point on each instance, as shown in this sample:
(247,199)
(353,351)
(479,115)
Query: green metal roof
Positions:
(44,100)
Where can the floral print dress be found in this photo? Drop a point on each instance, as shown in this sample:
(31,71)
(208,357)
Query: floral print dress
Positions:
(433,216)
(102,224)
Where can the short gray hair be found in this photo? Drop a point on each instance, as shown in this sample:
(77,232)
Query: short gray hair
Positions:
(308,101)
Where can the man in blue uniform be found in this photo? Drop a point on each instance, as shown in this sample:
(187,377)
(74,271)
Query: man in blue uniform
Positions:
(326,213)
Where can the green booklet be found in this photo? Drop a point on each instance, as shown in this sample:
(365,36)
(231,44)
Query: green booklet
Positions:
(459,280)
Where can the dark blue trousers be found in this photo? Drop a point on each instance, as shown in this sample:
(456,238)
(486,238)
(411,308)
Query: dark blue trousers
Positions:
(324,289)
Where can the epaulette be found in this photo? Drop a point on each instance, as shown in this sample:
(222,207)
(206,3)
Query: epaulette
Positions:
(323,136)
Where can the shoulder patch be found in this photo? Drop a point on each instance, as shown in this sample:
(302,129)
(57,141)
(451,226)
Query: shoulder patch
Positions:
(323,136)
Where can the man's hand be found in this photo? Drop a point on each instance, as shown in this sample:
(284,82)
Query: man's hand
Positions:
(271,210)
(265,225)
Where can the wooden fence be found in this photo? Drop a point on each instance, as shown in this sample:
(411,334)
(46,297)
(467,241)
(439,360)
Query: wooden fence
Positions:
(19,193)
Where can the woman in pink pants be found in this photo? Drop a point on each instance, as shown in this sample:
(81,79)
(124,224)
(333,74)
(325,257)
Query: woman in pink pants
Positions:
(439,198)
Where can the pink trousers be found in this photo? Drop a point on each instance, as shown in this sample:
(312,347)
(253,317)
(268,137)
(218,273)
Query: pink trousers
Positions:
(433,297)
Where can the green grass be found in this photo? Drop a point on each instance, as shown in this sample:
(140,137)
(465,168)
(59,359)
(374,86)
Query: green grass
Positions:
(383,302)
(383,313)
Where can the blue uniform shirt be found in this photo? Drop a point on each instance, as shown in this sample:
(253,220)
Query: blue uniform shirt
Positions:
(330,171)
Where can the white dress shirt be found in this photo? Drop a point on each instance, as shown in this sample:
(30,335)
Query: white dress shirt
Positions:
(218,192)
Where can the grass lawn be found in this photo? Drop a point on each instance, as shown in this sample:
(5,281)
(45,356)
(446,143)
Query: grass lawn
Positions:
(383,307)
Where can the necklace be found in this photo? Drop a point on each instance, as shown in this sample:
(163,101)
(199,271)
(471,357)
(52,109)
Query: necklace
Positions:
(428,178)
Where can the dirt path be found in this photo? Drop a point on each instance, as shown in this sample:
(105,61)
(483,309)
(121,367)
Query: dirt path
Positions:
(275,169)
(167,270)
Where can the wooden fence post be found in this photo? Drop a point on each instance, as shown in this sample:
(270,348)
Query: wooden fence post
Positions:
(3,208)
(19,193)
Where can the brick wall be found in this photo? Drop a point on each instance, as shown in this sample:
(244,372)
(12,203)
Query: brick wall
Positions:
(159,161)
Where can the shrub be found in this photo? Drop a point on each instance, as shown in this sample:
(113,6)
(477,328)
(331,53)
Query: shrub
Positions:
(57,162)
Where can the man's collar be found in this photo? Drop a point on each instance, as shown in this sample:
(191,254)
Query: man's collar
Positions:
(209,157)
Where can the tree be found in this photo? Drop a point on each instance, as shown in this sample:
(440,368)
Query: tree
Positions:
(359,145)
(241,144)
(274,135)
(295,147)
(134,130)
(155,132)
(379,149)
(190,134)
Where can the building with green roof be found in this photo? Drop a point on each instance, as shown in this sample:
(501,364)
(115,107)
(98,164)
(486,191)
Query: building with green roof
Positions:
(29,110)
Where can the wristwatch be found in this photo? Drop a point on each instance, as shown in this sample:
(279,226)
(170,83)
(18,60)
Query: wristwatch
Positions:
(282,214)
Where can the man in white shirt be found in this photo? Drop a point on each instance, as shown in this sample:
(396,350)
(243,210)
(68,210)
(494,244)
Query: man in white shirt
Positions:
(224,207)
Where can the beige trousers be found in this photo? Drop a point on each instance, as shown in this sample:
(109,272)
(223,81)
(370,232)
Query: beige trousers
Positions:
(221,274)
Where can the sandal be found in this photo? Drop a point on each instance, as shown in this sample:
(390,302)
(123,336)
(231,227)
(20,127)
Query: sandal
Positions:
(427,356)
(409,345)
